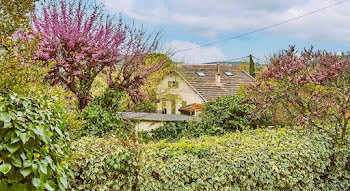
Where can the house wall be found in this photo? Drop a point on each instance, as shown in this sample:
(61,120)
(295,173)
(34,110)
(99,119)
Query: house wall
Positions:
(183,93)
(147,125)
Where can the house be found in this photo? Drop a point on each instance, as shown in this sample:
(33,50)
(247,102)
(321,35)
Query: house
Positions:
(149,121)
(198,84)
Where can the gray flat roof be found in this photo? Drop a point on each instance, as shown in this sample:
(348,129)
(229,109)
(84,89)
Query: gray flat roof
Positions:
(157,117)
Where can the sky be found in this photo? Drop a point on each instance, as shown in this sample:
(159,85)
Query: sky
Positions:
(186,24)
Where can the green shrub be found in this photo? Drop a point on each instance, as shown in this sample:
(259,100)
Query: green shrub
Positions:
(101,117)
(173,131)
(228,113)
(103,164)
(100,122)
(33,143)
(282,159)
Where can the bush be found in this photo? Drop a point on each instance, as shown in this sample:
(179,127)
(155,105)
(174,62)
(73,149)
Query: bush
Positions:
(101,116)
(228,113)
(282,159)
(103,164)
(172,131)
(33,144)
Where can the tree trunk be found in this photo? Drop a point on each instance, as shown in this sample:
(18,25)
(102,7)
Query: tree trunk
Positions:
(83,101)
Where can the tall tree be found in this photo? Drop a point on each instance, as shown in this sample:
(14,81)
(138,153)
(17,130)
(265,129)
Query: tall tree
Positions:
(83,40)
(251,66)
(18,70)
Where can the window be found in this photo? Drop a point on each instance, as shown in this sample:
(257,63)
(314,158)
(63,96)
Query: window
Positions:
(173,84)
(201,74)
(184,103)
(228,73)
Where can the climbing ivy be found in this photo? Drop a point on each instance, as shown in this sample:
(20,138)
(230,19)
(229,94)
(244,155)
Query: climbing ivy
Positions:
(33,142)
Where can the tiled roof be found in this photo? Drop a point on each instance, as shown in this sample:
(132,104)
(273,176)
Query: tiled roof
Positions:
(206,85)
(157,117)
(192,107)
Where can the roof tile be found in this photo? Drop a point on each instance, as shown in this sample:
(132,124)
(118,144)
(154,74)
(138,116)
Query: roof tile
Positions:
(206,85)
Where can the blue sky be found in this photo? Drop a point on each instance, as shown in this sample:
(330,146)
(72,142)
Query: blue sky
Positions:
(189,23)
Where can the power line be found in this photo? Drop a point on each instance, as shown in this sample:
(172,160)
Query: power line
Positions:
(264,28)
(232,59)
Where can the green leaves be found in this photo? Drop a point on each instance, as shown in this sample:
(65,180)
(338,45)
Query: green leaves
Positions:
(25,172)
(43,166)
(5,168)
(43,133)
(101,116)
(64,182)
(17,162)
(24,137)
(92,171)
(29,150)
(12,148)
(279,159)
(36,182)
(5,117)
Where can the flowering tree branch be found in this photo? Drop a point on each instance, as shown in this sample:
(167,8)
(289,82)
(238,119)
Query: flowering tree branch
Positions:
(83,41)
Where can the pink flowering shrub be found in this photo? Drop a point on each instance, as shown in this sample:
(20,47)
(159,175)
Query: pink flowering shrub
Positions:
(309,88)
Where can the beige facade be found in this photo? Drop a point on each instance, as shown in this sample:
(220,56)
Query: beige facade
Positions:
(174,93)
(144,125)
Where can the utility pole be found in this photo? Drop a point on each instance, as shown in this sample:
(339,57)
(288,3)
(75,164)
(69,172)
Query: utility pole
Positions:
(251,66)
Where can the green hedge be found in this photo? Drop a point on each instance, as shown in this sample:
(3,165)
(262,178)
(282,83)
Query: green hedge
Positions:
(103,164)
(281,159)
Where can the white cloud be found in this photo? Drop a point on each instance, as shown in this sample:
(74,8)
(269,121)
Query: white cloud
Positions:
(195,55)
(237,16)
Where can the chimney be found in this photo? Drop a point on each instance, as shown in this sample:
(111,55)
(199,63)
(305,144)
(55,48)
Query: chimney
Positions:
(217,76)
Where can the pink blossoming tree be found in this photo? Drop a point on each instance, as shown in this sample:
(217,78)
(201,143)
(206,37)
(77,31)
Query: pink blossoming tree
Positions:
(308,88)
(83,41)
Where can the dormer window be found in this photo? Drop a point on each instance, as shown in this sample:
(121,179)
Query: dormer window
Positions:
(200,74)
(173,84)
(228,73)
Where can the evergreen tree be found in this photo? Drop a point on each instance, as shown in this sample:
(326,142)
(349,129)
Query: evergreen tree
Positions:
(251,66)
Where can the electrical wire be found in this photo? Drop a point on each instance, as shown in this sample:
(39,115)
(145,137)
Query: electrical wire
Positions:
(264,28)
(229,60)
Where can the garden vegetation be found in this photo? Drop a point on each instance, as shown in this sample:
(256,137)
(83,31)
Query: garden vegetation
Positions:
(67,68)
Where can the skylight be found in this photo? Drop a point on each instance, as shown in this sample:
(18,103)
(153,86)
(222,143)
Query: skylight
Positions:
(201,74)
(228,73)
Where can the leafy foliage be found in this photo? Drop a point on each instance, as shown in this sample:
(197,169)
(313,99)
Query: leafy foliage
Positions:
(281,159)
(19,72)
(228,113)
(33,143)
(14,15)
(101,116)
(103,164)
(173,131)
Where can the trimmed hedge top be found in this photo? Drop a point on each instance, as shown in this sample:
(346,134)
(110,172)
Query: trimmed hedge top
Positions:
(281,159)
